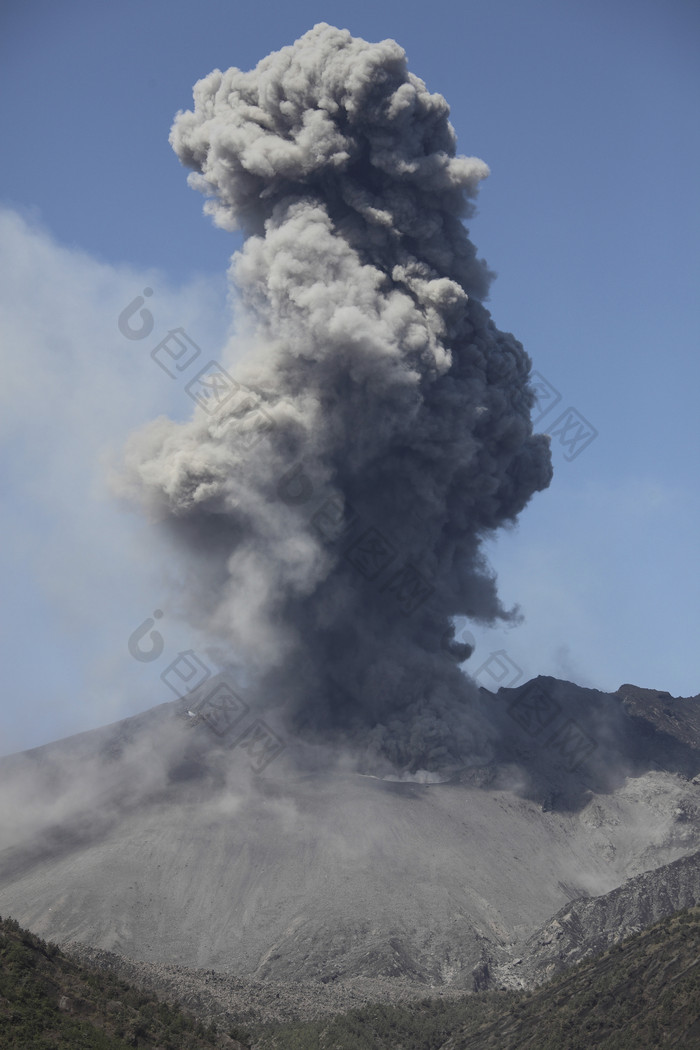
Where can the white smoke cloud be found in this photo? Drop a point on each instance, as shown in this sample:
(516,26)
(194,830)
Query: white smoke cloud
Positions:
(79,573)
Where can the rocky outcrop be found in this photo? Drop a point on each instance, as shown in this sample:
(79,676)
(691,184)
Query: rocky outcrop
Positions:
(589,926)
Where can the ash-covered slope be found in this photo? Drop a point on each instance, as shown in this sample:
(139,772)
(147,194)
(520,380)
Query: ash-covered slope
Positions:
(153,839)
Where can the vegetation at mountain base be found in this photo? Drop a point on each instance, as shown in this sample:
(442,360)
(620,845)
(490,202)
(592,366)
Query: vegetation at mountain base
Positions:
(642,993)
(49,1002)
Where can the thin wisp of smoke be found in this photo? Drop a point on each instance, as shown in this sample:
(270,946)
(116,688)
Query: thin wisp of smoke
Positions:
(339,499)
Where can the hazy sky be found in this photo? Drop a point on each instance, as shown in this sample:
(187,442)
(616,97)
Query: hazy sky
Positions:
(586,115)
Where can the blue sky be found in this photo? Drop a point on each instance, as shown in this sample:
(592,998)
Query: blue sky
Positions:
(586,114)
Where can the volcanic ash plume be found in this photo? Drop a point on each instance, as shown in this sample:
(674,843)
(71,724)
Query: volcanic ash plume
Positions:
(334,506)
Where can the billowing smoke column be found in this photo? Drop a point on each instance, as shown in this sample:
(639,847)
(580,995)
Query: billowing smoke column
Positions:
(335,504)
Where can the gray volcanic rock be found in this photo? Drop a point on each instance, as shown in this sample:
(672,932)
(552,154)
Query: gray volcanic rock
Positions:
(228,1000)
(155,839)
(587,927)
(672,722)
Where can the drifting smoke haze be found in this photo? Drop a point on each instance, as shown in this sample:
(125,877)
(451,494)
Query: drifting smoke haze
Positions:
(331,555)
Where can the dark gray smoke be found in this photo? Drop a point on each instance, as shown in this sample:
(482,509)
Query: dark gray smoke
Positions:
(334,507)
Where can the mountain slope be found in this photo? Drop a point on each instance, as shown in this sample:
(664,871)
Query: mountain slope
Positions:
(589,926)
(49,1002)
(153,839)
(642,994)
(580,931)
